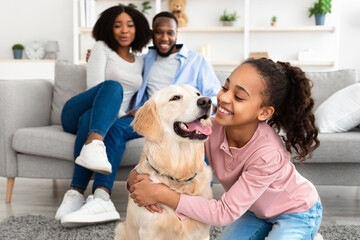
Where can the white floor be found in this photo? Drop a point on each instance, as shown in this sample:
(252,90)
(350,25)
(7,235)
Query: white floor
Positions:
(43,196)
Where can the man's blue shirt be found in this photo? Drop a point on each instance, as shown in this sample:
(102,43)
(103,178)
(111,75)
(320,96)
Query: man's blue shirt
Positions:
(193,70)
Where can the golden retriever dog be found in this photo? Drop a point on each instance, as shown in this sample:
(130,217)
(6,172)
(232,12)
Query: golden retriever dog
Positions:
(175,123)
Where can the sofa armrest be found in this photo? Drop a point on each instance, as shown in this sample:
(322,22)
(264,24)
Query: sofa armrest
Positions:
(23,103)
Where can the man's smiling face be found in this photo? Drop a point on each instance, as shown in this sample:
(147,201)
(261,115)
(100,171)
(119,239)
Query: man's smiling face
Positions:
(164,36)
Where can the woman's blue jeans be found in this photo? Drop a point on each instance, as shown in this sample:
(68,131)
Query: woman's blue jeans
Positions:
(300,226)
(96,111)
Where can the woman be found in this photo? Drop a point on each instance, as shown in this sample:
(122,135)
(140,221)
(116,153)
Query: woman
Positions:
(113,78)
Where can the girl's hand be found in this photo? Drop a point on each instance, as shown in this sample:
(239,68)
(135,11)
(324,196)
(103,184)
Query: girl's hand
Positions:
(154,208)
(146,193)
(143,191)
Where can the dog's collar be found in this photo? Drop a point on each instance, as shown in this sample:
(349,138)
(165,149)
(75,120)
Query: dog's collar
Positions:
(170,177)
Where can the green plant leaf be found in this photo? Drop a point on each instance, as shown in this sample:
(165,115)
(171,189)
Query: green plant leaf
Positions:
(322,7)
(18,46)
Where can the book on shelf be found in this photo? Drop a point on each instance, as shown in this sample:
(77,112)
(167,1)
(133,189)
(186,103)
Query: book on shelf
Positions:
(87,13)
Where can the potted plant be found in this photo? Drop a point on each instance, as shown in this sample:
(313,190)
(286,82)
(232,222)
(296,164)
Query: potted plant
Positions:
(228,19)
(273,21)
(320,8)
(17,50)
(145,6)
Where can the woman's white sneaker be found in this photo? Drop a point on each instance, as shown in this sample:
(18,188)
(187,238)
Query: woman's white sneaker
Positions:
(95,211)
(72,201)
(93,156)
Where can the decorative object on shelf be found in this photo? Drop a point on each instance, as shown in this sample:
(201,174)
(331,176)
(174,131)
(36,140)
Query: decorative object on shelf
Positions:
(273,21)
(259,55)
(145,6)
(52,47)
(228,19)
(177,8)
(35,50)
(205,51)
(87,15)
(320,9)
(17,50)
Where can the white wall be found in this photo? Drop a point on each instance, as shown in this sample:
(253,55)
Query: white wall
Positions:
(349,56)
(22,21)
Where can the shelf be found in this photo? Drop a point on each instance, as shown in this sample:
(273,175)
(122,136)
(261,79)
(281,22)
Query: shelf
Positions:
(211,29)
(292,62)
(28,60)
(252,29)
(293,29)
(190,30)
(248,34)
(311,63)
(85,30)
(225,63)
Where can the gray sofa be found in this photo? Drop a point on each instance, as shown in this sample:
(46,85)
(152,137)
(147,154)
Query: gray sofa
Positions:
(33,144)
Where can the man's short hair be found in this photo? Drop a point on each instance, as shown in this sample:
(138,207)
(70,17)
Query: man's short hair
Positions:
(164,14)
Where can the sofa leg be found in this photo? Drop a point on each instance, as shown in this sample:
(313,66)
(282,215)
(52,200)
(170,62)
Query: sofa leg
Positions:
(9,189)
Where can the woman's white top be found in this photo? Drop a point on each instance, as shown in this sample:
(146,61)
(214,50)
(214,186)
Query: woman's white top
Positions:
(105,64)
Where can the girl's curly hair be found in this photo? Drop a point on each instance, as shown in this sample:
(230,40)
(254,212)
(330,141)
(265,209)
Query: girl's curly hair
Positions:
(288,90)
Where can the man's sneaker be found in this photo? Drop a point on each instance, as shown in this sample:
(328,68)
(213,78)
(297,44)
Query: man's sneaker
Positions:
(73,200)
(93,156)
(94,211)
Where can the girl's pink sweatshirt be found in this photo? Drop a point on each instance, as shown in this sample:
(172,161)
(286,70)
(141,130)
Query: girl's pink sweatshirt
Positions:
(258,177)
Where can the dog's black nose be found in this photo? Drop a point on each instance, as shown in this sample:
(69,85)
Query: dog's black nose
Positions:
(204,103)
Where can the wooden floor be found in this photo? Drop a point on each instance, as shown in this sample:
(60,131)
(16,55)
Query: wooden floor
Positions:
(42,197)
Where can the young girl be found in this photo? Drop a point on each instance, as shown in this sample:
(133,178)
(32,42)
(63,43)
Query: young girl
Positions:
(114,75)
(265,195)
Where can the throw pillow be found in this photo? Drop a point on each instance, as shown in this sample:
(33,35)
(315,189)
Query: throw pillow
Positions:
(327,83)
(340,112)
(70,79)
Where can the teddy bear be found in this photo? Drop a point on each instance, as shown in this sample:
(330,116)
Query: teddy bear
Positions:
(177,8)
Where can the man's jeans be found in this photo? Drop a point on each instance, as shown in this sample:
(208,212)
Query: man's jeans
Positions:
(302,225)
(96,111)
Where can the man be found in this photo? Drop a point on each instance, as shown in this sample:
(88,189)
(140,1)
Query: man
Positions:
(166,63)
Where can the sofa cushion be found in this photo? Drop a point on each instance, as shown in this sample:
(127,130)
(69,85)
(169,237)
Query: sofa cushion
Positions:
(222,76)
(70,79)
(337,148)
(47,141)
(341,111)
(327,83)
(52,141)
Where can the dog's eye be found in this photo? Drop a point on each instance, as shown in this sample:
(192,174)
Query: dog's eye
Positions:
(198,94)
(175,98)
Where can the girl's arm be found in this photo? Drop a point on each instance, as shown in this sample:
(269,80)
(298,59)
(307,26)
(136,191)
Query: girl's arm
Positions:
(233,204)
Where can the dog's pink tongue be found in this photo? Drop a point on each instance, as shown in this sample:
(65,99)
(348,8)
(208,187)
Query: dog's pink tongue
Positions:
(196,125)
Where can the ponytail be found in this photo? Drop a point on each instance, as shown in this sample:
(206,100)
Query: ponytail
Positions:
(288,90)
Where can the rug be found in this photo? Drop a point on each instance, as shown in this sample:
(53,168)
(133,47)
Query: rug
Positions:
(33,227)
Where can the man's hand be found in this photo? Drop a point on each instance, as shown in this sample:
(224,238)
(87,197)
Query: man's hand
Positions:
(88,55)
(130,114)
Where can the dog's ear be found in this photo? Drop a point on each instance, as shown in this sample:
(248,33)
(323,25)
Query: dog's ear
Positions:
(147,122)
